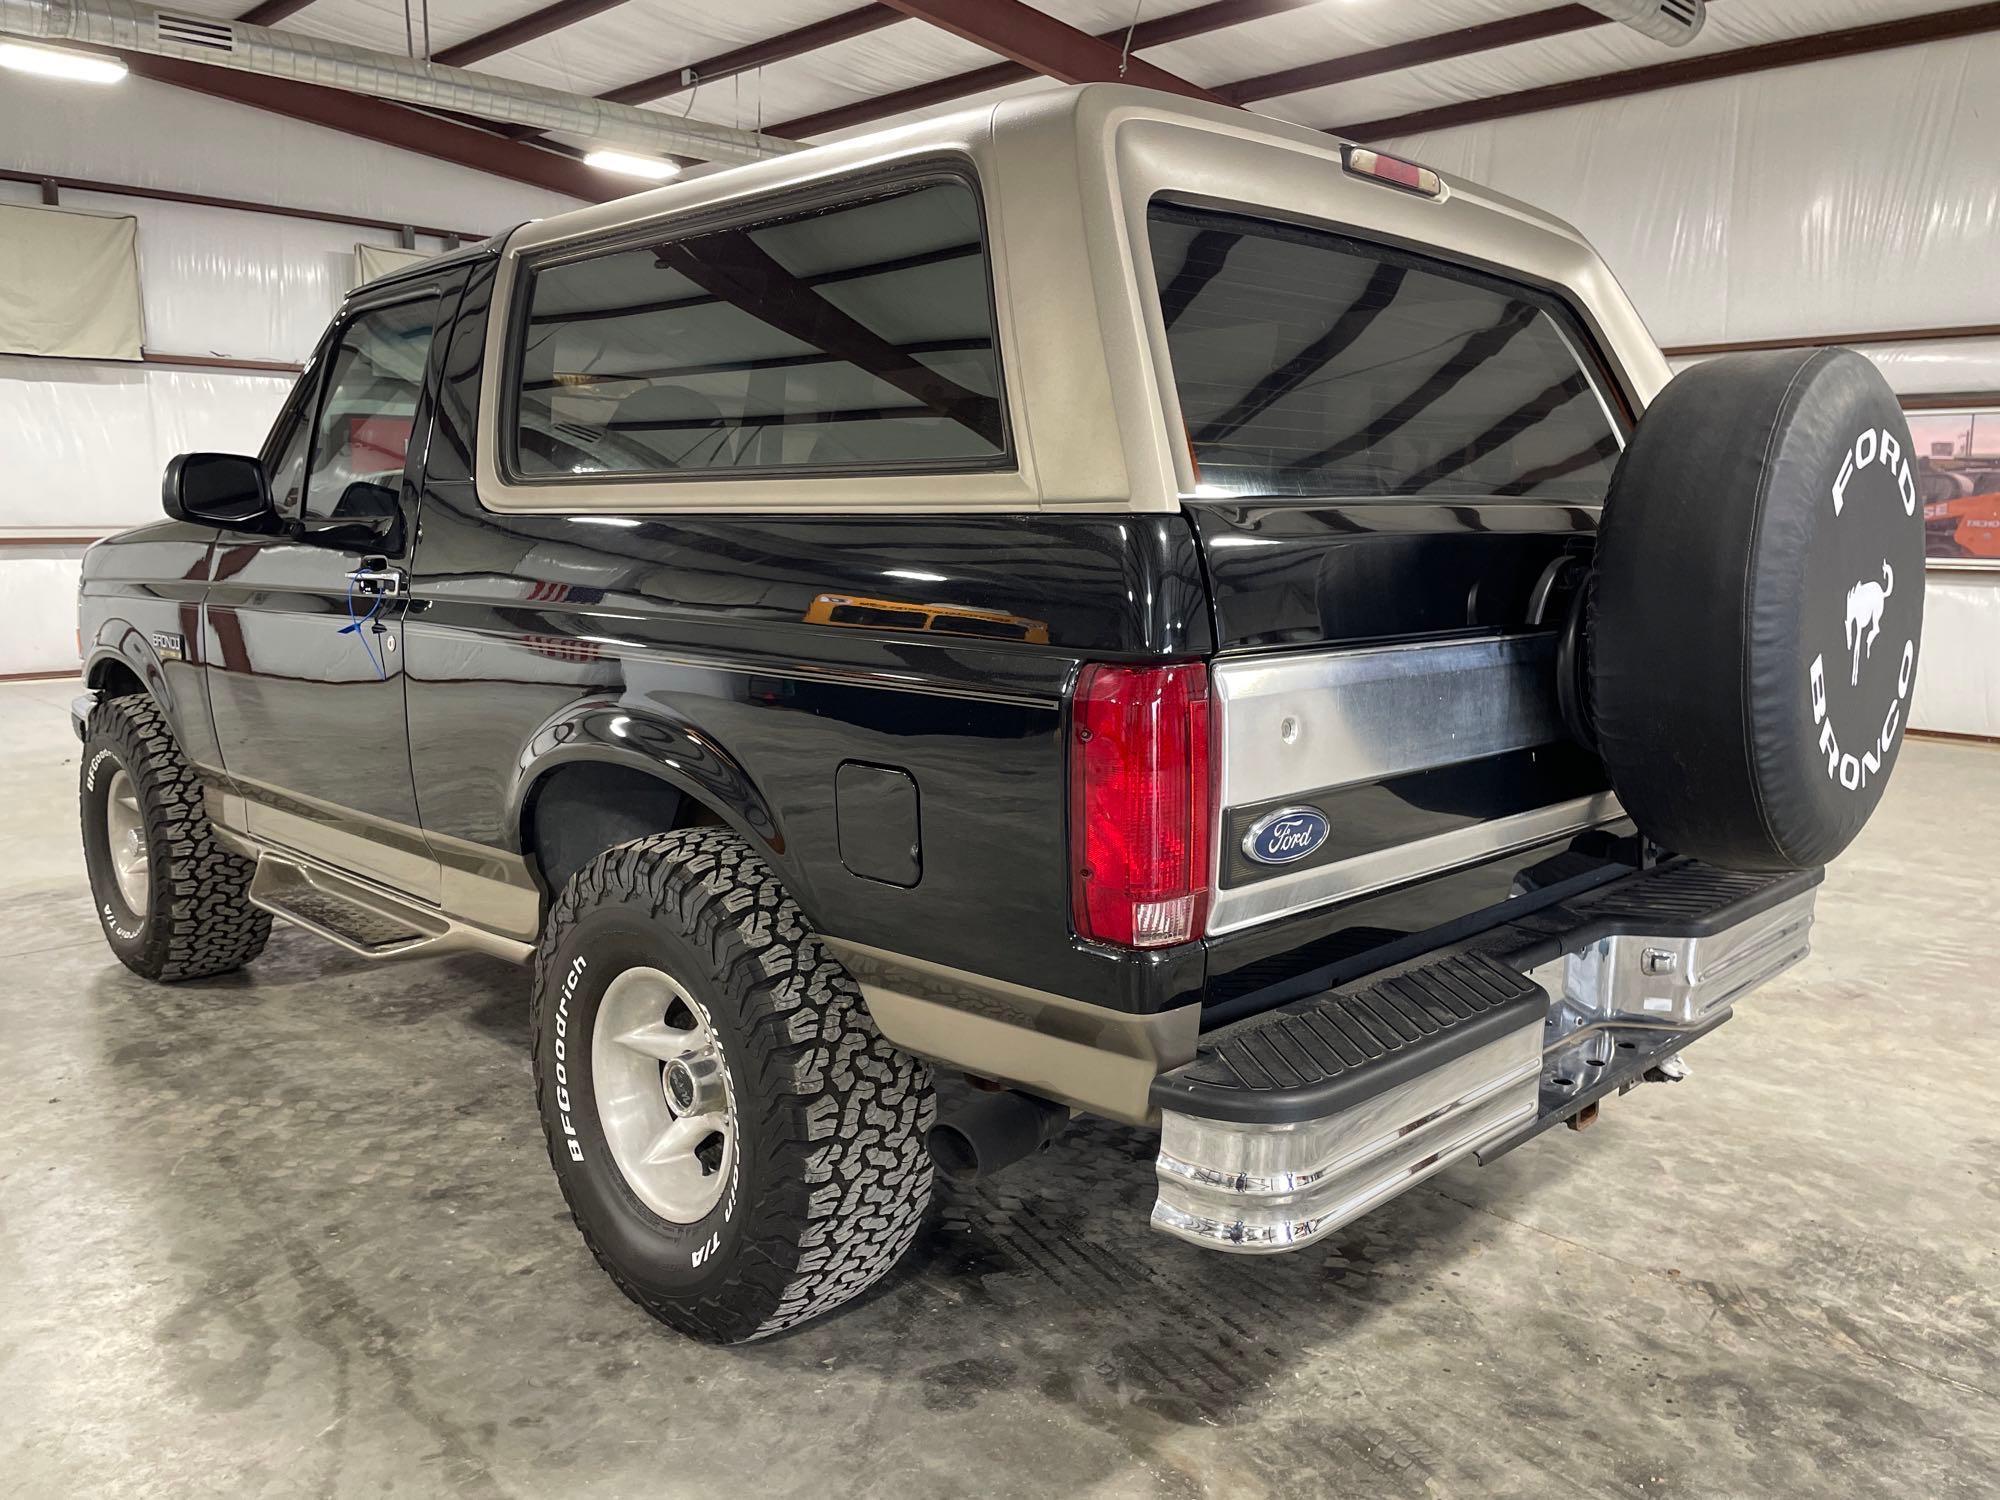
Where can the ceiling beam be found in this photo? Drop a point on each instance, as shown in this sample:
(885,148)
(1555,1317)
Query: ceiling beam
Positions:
(901,101)
(1510,31)
(1036,39)
(531,27)
(271,12)
(1195,21)
(1199,20)
(377,120)
(744,59)
(1852,41)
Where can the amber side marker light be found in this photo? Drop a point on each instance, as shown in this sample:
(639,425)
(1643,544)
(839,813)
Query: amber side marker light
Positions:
(1393,170)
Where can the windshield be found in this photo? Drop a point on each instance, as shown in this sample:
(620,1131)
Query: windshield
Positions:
(1310,364)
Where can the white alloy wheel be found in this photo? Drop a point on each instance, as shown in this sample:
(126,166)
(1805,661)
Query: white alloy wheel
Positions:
(663,1094)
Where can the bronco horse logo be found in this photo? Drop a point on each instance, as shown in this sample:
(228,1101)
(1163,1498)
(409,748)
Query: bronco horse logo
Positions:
(1864,613)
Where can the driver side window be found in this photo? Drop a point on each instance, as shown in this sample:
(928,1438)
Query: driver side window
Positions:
(368,407)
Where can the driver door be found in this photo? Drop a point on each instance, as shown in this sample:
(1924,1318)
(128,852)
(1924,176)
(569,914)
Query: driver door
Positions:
(302,632)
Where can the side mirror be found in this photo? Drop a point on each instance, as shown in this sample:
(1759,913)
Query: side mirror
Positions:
(365,501)
(366,519)
(219,489)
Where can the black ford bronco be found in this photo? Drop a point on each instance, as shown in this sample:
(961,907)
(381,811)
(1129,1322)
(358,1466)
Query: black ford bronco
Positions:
(1156,611)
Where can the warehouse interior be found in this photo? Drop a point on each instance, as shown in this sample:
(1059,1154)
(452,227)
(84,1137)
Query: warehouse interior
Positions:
(289,1231)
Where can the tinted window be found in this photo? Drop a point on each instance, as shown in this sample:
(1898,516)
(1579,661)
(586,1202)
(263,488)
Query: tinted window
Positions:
(367,410)
(1312,365)
(860,336)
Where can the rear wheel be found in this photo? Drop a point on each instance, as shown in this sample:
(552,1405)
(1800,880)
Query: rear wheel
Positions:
(740,1147)
(172,901)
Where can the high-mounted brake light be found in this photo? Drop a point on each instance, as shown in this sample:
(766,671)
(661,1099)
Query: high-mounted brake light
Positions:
(1393,170)
(1139,804)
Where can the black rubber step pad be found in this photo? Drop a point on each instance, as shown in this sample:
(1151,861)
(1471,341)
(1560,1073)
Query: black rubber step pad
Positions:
(1322,1055)
(1690,891)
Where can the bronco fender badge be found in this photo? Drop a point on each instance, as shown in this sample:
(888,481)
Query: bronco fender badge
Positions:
(1286,836)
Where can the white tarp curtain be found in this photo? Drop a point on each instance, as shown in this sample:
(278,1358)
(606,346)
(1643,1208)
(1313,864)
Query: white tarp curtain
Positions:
(1958,671)
(69,283)
(371,261)
(240,285)
(82,446)
(1848,196)
(1930,366)
(41,610)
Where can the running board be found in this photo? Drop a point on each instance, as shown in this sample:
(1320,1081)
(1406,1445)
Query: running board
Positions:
(364,918)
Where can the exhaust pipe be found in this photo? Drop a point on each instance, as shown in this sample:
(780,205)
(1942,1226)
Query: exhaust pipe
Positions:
(990,1131)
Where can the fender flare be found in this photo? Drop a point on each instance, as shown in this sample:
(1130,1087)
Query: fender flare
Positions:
(659,744)
(123,642)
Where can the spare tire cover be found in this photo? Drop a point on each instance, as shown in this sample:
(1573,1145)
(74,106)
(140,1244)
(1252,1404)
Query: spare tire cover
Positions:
(1753,622)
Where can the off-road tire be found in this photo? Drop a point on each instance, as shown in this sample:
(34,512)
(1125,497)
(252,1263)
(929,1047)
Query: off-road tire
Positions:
(198,920)
(832,1173)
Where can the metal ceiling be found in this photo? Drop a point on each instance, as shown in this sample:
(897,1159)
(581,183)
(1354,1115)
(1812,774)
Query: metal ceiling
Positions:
(820,69)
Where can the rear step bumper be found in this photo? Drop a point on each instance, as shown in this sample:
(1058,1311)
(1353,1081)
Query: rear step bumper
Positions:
(1285,1128)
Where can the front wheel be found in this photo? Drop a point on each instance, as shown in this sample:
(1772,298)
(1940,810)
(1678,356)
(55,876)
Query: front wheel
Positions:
(740,1147)
(174,904)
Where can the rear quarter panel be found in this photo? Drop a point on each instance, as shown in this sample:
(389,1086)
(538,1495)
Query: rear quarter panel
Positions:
(703,646)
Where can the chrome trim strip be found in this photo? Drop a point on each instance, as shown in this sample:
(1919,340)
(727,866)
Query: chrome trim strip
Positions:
(1299,890)
(1384,711)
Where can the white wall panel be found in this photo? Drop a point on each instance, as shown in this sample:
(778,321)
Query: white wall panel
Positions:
(213,411)
(39,613)
(1930,367)
(154,135)
(1842,197)
(1958,675)
(82,445)
(1837,198)
(245,286)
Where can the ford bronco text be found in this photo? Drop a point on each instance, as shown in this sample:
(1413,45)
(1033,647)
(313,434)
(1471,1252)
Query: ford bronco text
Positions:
(1157,611)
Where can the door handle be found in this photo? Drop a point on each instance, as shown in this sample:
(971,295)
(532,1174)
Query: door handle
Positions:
(377,577)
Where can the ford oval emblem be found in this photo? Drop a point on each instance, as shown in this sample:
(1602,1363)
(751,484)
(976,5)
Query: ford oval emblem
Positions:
(1285,836)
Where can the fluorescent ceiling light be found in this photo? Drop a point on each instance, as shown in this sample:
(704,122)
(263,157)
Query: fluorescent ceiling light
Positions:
(652,168)
(53,62)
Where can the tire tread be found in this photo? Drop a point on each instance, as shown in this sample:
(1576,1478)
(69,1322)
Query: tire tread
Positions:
(843,1114)
(206,925)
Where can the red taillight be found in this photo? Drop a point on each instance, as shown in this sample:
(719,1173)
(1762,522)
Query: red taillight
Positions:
(1139,804)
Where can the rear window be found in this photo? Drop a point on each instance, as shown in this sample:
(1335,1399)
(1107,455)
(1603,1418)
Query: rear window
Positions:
(858,336)
(1310,364)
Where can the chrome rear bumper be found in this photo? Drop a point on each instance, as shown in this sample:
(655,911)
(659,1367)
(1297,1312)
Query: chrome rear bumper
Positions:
(1248,1161)
(1261,1188)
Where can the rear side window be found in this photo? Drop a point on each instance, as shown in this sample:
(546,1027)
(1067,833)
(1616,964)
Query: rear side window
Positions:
(858,336)
(1309,364)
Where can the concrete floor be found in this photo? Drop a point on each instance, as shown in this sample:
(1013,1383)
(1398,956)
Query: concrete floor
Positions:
(292,1232)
